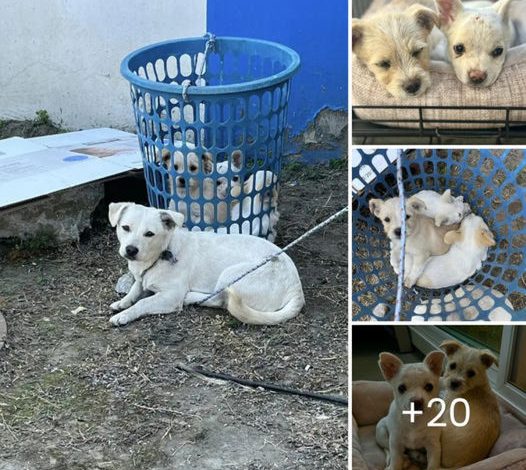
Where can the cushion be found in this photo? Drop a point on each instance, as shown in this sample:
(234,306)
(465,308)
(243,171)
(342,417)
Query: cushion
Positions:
(370,402)
(509,90)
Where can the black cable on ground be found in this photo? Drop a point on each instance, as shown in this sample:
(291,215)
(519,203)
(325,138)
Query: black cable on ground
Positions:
(336,399)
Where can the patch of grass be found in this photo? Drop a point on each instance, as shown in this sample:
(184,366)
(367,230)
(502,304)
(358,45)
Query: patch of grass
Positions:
(43,241)
(43,118)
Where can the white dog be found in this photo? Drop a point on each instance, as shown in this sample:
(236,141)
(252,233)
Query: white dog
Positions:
(182,267)
(469,247)
(478,36)
(423,238)
(414,385)
(443,208)
(254,201)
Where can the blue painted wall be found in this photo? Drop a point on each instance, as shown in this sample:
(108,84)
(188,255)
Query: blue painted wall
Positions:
(316,30)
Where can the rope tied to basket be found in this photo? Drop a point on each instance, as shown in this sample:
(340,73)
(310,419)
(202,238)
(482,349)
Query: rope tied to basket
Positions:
(401,269)
(209,46)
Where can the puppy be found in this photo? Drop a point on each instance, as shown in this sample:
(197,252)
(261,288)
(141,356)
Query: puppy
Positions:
(182,267)
(443,208)
(255,201)
(469,248)
(478,36)
(413,384)
(393,44)
(189,187)
(465,377)
(423,238)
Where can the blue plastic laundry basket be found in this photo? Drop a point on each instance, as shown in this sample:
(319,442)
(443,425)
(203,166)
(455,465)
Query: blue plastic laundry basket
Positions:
(493,182)
(222,99)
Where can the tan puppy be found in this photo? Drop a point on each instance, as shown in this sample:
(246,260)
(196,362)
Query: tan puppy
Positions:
(465,377)
(423,238)
(479,35)
(209,189)
(393,44)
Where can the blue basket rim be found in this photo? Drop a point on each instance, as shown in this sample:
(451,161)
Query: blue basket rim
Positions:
(213,89)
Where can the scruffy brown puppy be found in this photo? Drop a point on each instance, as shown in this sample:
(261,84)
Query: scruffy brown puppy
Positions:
(465,377)
(393,44)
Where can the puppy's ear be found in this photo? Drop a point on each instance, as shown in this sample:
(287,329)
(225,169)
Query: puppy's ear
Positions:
(358,28)
(488,359)
(448,10)
(416,204)
(375,205)
(165,157)
(115,211)
(435,361)
(208,162)
(452,237)
(446,196)
(486,238)
(237,159)
(171,219)
(390,365)
(502,7)
(424,17)
(450,347)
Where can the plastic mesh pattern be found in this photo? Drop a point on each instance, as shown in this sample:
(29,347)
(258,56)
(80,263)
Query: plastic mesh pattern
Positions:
(493,182)
(211,128)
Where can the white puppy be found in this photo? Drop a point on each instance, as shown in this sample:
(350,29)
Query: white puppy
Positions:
(469,247)
(478,36)
(182,267)
(254,201)
(423,238)
(414,385)
(443,208)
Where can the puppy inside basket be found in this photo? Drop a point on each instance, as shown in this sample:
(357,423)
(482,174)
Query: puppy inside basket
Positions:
(445,242)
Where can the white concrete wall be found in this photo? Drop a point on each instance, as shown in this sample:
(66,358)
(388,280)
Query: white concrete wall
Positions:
(64,55)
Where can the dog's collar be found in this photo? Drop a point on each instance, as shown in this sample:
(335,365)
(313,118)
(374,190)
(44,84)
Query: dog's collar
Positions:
(165,255)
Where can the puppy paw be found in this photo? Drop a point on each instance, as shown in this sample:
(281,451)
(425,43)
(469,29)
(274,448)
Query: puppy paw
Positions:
(120,319)
(116,306)
(409,282)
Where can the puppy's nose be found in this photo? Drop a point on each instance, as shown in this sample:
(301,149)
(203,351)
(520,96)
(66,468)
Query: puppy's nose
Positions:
(419,404)
(131,251)
(398,232)
(413,86)
(455,384)
(477,76)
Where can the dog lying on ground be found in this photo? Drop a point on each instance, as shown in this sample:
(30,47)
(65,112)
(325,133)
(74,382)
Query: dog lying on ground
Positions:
(181,267)
(469,247)
(423,238)
(443,208)
(478,36)
(413,384)
(465,377)
(393,44)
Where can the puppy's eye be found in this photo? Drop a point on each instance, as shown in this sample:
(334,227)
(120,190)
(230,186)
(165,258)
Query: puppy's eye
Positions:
(470,373)
(402,388)
(385,64)
(407,217)
(417,52)
(428,387)
(149,234)
(126,228)
(453,365)
(387,220)
(497,52)
(459,49)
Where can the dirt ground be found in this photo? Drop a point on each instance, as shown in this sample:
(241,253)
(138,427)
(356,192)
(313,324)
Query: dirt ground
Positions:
(76,393)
